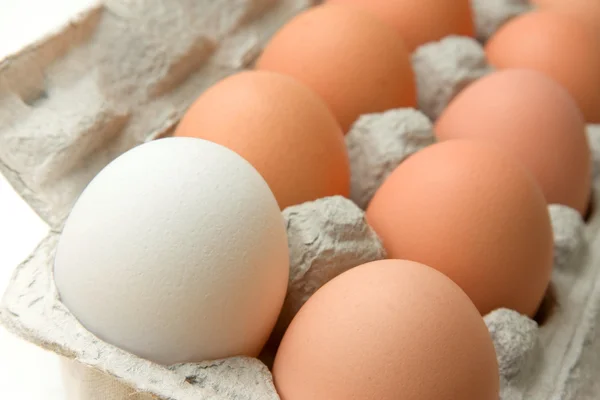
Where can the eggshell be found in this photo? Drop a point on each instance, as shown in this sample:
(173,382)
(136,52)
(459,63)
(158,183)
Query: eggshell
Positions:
(558,45)
(533,117)
(421,21)
(587,11)
(354,62)
(176,252)
(474,213)
(281,127)
(387,330)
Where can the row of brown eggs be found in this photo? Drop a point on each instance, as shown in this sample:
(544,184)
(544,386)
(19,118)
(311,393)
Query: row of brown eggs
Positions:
(473,207)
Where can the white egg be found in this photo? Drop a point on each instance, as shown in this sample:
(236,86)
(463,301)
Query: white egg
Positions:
(176,252)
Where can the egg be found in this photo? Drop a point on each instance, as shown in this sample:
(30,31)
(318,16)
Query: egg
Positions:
(557,45)
(421,21)
(587,11)
(176,252)
(281,127)
(533,117)
(474,213)
(387,330)
(354,62)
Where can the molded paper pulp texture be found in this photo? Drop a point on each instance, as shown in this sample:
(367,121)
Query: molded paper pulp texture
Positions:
(124,73)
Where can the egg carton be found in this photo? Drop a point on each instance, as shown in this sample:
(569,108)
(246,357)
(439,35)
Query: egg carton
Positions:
(124,72)
(119,74)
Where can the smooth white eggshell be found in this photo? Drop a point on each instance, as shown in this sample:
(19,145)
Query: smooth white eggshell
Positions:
(176,252)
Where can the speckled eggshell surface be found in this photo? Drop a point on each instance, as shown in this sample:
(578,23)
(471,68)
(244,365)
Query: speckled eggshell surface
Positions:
(356,63)
(533,117)
(474,213)
(387,330)
(172,250)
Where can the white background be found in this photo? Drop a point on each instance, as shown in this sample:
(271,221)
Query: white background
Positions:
(26,372)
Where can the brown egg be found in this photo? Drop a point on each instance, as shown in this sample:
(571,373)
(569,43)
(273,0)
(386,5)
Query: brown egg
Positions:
(281,127)
(558,45)
(387,330)
(353,61)
(587,11)
(565,4)
(473,213)
(421,21)
(533,117)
